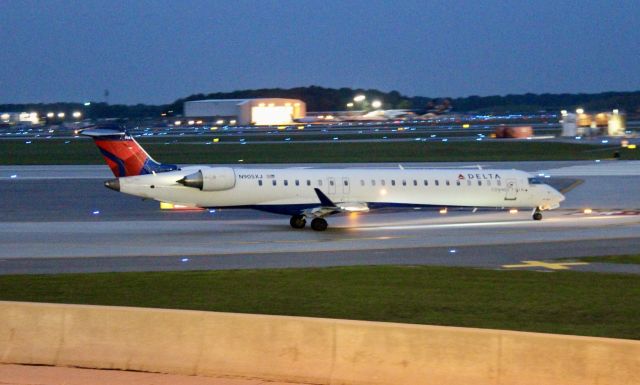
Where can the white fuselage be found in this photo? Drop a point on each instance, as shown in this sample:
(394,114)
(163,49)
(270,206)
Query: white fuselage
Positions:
(289,190)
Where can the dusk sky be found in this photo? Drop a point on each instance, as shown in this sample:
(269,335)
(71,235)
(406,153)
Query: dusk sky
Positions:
(154,52)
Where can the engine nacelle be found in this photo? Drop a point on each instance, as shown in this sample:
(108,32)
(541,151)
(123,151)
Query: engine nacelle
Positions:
(211,179)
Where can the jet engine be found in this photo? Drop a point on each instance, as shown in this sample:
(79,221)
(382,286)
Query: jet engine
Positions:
(211,179)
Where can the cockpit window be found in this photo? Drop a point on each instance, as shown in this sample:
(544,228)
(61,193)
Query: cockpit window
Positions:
(535,181)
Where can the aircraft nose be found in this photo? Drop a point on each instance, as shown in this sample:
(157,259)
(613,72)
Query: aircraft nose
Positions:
(113,184)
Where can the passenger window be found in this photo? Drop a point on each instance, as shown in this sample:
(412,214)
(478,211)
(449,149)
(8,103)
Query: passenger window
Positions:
(404,182)
(437,183)
(308,182)
(415,182)
(273,182)
(361,182)
(373,182)
(447,182)
(319,182)
(393,182)
(382,182)
(286,182)
(331,182)
(297,182)
(346,182)
(426,183)
(479,183)
(458,183)
(260,182)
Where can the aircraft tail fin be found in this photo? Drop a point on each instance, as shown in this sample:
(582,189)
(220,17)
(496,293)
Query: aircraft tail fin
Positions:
(124,156)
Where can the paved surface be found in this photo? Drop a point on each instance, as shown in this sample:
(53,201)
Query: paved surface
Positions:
(48,375)
(50,223)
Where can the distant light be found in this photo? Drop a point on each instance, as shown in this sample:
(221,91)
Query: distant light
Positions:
(350,105)
(466,125)
(631,147)
(14,176)
(587,211)
(563,112)
(513,211)
(61,114)
(580,111)
(177,123)
(198,121)
(5,116)
(212,211)
(605,141)
(27,142)
(443,210)
(96,212)
(616,111)
(232,122)
(184,260)
(445,140)
(77,114)
(452,251)
(376,104)
(578,137)
(216,140)
(220,121)
(597,160)
(359,98)
(87,103)
(240,160)
(191,122)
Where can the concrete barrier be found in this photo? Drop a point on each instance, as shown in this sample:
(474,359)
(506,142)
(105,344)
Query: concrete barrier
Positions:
(310,350)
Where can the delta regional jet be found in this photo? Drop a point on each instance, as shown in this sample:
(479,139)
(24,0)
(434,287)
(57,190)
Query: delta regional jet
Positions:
(313,194)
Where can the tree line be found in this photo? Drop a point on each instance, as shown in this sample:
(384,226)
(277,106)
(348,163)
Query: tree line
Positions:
(336,99)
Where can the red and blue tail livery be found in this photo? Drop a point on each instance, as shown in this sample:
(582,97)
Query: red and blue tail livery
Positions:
(123,154)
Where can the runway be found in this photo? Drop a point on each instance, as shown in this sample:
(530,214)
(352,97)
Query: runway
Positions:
(51,223)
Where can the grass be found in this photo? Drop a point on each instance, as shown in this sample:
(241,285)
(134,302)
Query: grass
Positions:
(582,303)
(53,151)
(624,259)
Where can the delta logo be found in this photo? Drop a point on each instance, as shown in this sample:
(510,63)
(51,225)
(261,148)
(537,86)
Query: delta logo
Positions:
(460,177)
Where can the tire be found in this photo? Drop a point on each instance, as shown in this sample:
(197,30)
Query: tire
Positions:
(537,216)
(298,221)
(319,224)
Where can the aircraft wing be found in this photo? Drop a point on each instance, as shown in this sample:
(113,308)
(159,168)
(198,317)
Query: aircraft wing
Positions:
(328,207)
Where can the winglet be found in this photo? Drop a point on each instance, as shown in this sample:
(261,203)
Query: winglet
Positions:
(324,200)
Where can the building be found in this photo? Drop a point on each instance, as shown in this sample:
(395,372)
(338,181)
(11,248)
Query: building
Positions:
(262,111)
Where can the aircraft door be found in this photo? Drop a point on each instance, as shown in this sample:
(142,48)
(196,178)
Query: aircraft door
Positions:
(346,188)
(512,189)
(332,185)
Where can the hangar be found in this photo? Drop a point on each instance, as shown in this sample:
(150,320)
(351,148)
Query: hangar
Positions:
(260,111)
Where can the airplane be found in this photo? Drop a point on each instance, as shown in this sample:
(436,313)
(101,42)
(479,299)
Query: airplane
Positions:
(315,194)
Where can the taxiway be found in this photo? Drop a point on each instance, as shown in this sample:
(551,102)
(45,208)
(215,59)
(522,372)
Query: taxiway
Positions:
(61,219)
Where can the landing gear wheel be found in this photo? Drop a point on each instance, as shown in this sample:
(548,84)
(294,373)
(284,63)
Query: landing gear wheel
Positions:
(537,215)
(298,221)
(319,224)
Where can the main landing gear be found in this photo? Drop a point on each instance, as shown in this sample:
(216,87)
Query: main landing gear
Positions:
(537,214)
(319,224)
(299,221)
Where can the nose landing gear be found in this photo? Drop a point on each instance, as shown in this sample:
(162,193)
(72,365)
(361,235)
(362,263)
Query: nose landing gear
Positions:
(537,214)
